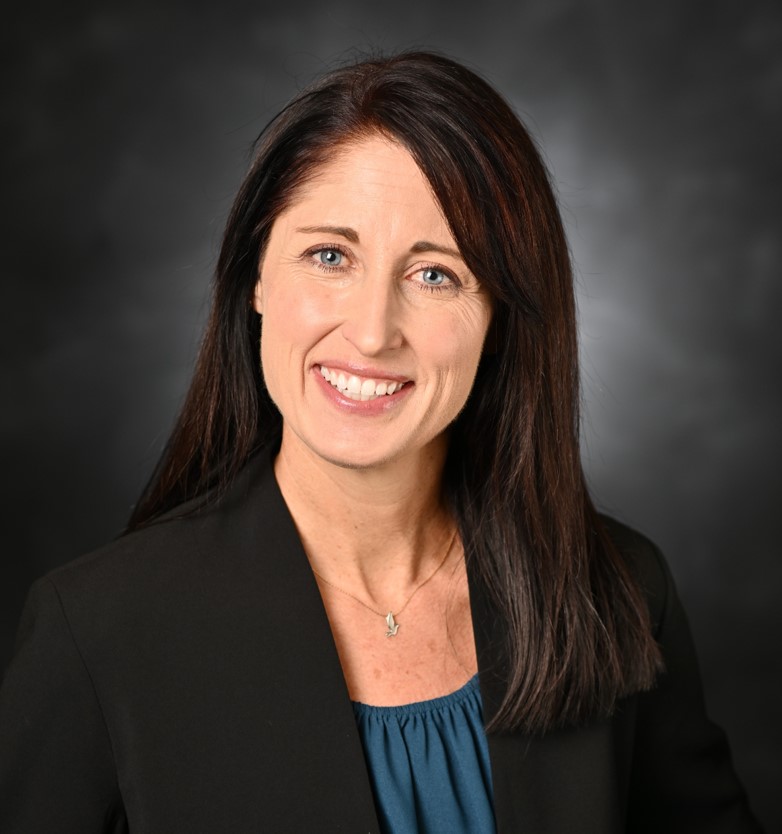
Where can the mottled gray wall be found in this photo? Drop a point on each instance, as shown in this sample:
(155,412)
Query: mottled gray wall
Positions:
(125,130)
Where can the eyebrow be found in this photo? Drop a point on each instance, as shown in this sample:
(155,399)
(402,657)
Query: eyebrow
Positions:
(427,246)
(417,248)
(341,231)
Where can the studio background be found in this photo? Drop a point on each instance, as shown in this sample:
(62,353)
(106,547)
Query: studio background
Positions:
(126,129)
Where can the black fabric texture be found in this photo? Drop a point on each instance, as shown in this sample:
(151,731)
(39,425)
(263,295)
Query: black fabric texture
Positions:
(184,679)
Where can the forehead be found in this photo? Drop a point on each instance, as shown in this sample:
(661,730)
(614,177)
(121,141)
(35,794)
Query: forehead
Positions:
(373,180)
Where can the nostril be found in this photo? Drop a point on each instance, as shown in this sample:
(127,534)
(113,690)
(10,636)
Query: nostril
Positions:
(372,338)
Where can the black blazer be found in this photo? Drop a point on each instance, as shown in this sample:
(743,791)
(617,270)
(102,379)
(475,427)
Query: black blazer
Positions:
(184,679)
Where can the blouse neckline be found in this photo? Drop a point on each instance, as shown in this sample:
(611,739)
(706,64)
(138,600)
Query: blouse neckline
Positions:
(420,707)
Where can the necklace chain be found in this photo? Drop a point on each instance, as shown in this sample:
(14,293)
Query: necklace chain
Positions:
(392,625)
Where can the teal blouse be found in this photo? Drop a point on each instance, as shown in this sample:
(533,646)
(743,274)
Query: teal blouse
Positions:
(429,764)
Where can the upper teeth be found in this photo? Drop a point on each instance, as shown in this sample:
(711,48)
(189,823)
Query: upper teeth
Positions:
(359,388)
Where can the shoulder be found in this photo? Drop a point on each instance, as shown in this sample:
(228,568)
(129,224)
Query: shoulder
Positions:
(179,569)
(681,777)
(646,563)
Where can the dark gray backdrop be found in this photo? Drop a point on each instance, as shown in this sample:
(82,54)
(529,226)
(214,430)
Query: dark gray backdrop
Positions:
(125,131)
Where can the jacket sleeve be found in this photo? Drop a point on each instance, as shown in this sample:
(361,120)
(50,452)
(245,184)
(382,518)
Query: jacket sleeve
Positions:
(682,778)
(56,766)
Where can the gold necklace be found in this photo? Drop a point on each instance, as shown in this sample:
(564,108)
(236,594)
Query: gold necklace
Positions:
(392,626)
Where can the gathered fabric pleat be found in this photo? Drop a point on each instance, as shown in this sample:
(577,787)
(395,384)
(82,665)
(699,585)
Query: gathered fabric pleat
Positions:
(429,764)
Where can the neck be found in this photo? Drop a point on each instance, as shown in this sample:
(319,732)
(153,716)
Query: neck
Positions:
(378,531)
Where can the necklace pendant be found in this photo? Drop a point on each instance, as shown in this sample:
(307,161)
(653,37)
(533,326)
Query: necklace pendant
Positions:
(393,627)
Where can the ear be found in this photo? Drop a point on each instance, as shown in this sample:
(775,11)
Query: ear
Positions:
(257,301)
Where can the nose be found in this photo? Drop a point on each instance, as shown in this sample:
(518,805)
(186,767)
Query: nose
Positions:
(373,318)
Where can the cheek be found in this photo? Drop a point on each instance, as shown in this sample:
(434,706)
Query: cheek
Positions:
(278,329)
(294,321)
(458,342)
(296,308)
(453,347)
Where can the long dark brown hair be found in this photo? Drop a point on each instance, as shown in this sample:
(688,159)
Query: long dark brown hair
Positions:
(577,632)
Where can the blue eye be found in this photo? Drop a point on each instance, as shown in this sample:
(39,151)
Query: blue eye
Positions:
(433,277)
(329,257)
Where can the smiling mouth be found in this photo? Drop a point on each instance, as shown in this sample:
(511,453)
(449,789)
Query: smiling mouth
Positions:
(359,388)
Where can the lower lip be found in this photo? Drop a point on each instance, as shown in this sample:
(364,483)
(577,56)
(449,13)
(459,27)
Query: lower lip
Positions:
(378,405)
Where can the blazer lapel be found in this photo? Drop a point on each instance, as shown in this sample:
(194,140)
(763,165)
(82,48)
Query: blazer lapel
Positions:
(318,780)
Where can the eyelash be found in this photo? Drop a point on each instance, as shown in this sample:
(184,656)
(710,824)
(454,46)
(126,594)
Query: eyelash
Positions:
(453,285)
(336,247)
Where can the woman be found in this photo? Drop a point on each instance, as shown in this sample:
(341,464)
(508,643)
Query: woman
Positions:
(341,535)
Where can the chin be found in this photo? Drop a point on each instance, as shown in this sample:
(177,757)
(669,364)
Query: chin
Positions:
(347,461)
(347,455)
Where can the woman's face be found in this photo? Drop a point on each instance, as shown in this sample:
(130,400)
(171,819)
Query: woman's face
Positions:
(372,323)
